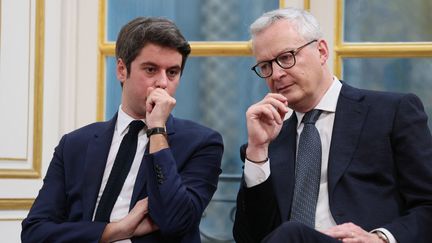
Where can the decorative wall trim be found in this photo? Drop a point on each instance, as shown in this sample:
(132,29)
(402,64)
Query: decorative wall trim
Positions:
(104,50)
(307,5)
(35,171)
(16,203)
(201,48)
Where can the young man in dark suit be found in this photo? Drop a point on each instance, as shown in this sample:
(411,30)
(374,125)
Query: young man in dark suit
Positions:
(170,168)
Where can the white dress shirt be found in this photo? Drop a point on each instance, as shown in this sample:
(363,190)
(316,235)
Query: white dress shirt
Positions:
(255,174)
(121,207)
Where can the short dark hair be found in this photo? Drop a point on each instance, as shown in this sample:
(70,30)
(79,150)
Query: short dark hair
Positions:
(143,30)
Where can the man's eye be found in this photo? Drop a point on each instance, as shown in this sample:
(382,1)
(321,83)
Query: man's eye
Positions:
(150,70)
(264,66)
(285,58)
(173,73)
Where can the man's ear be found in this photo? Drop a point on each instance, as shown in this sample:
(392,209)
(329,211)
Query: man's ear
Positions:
(323,50)
(121,70)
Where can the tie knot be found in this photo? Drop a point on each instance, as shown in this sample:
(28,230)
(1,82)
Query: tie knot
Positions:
(135,126)
(311,116)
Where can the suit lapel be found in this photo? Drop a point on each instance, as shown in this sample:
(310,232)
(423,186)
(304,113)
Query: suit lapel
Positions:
(348,124)
(282,162)
(96,157)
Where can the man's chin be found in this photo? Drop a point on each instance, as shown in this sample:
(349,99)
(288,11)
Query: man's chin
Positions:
(290,95)
(292,101)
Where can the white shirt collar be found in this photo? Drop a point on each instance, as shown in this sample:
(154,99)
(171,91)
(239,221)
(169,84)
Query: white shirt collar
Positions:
(123,121)
(328,102)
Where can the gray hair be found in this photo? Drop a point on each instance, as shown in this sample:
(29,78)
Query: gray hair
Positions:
(304,22)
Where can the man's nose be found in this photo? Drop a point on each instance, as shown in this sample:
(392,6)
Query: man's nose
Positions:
(162,81)
(277,71)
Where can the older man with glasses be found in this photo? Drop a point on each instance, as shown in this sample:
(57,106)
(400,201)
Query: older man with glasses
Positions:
(348,165)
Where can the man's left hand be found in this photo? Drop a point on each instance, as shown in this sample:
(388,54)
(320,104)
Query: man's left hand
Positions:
(350,232)
(158,107)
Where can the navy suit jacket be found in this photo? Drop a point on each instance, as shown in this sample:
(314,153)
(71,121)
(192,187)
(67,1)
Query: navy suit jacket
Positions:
(178,190)
(379,170)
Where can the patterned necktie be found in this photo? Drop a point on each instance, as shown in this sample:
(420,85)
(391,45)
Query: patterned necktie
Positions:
(307,172)
(119,171)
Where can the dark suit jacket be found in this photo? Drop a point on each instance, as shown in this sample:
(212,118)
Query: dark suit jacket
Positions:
(379,170)
(189,169)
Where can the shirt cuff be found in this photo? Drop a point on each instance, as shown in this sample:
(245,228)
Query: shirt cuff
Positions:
(387,233)
(255,174)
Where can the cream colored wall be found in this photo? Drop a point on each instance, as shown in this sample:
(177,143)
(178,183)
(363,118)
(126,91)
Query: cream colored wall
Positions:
(69,93)
(324,11)
(20,153)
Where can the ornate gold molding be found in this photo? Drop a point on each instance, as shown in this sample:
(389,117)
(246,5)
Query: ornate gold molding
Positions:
(233,48)
(20,174)
(38,104)
(35,171)
(406,49)
(104,49)
(337,39)
(16,203)
(201,48)
(306,5)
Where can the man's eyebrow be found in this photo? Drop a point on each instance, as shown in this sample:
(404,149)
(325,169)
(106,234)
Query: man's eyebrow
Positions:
(280,52)
(175,66)
(148,63)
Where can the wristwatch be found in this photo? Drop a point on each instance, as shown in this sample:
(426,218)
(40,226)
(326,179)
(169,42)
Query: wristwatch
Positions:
(156,130)
(382,236)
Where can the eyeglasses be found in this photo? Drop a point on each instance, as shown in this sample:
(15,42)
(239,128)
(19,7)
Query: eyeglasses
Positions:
(285,60)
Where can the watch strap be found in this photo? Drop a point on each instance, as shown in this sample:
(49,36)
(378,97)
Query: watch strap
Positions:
(156,130)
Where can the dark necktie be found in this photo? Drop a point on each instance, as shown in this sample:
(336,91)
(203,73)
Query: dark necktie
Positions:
(119,171)
(307,172)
